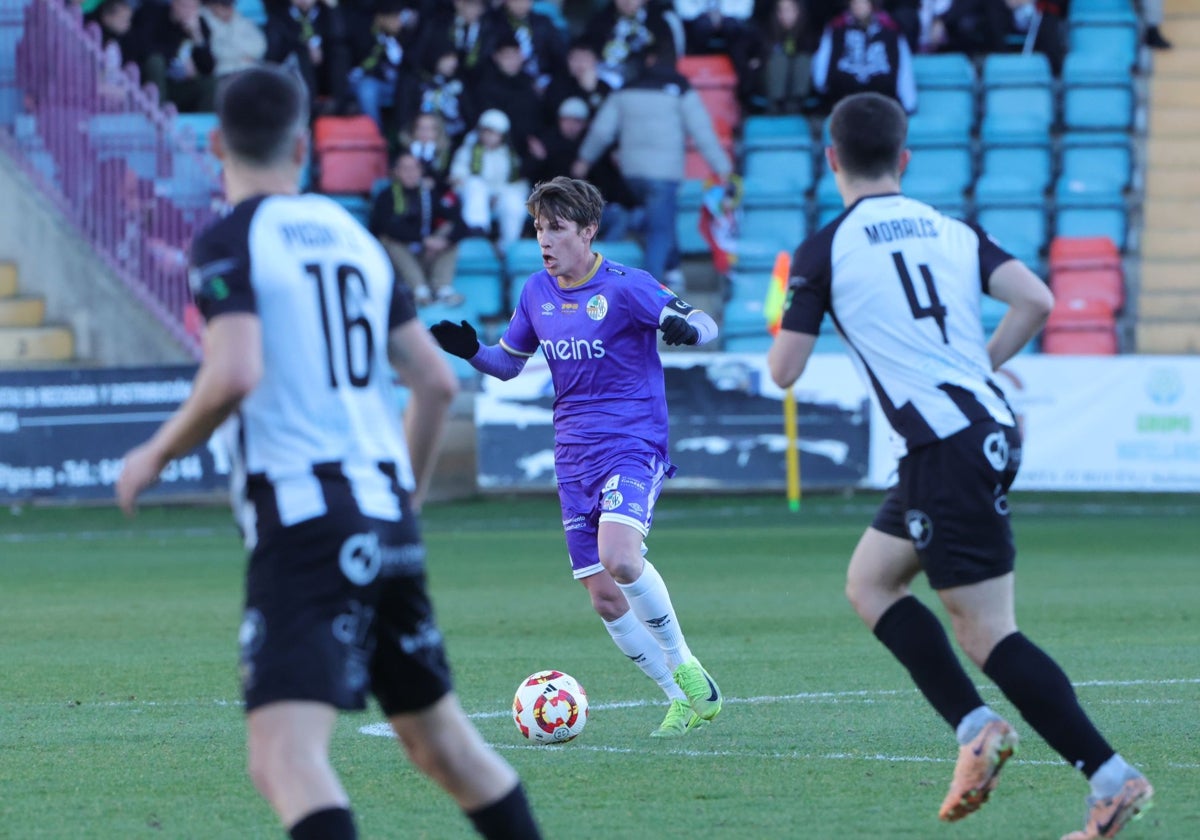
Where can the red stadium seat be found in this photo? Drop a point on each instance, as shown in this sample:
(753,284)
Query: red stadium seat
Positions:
(349,154)
(715,80)
(1073,252)
(1105,285)
(1080,326)
(1089,342)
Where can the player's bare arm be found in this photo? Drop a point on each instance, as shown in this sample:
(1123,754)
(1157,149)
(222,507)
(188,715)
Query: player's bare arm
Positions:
(1029,303)
(231,369)
(424,370)
(788,356)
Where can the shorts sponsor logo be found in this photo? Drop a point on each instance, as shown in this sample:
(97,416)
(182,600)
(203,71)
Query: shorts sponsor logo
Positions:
(995,449)
(612,483)
(920,528)
(360,559)
(612,500)
(252,632)
(633,482)
(597,307)
(1001,501)
(574,523)
(426,637)
(635,509)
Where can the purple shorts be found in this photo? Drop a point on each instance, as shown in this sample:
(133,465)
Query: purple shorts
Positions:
(626,494)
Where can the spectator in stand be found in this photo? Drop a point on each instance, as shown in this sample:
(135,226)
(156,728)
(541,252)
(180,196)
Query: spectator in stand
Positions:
(487,173)
(442,91)
(170,44)
(427,141)
(419,226)
(381,58)
(511,90)
(581,81)
(556,150)
(1152,15)
(236,41)
(863,50)
(310,36)
(650,120)
(1027,25)
(463,28)
(543,47)
(622,33)
(786,80)
(725,27)
(115,19)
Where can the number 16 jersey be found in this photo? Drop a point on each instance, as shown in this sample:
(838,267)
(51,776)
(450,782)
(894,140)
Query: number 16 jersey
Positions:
(902,283)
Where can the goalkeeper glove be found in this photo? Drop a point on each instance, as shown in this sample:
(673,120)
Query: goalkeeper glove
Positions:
(677,330)
(459,339)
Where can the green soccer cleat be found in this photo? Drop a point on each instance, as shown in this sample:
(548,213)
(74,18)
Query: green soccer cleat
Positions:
(680,720)
(700,688)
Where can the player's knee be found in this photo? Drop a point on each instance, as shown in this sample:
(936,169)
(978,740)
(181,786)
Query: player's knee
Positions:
(609,605)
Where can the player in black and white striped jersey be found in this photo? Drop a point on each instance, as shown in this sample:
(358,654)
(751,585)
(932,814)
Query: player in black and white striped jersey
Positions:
(902,284)
(305,323)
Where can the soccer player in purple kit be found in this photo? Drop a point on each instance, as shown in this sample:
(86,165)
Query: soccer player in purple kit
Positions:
(597,322)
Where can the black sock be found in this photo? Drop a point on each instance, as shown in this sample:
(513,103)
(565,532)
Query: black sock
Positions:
(1037,686)
(326,824)
(913,634)
(509,818)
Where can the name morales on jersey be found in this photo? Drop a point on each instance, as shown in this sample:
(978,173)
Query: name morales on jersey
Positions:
(894,229)
(572,349)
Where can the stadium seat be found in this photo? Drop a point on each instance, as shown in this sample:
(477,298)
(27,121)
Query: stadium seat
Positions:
(1083,252)
(715,80)
(947,167)
(1102,284)
(941,71)
(766,231)
(483,290)
(1098,108)
(357,205)
(1021,70)
(1079,326)
(477,255)
(1101,220)
(194,129)
(774,171)
(687,218)
(1031,165)
(1082,69)
(695,167)
(1119,42)
(625,252)
(1111,12)
(349,154)
(943,118)
(255,10)
(1009,188)
(1089,171)
(1020,230)
(774,132)
(1017,116)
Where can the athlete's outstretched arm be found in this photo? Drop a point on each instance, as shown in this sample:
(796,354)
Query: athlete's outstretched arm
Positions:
(460,339)
(788,356)
(231,369)
(433,385)
(1029,303)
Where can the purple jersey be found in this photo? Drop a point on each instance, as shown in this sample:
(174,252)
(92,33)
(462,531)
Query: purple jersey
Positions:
(600,339)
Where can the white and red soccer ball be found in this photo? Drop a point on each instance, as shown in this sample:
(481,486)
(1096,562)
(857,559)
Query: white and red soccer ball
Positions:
(550,707)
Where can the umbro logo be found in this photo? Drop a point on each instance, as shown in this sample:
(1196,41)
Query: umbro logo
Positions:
(548,308)
(661,621)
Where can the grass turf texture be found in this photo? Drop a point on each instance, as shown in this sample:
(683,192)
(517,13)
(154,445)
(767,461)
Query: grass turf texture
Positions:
(119,714)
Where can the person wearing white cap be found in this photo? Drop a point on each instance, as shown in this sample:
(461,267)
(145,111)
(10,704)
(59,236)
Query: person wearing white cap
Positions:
(487,175)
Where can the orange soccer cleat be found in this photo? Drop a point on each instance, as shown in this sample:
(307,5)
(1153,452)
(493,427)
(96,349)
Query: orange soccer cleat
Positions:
(978,765)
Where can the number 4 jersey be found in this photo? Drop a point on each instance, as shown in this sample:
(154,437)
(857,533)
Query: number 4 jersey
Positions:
(324,409)
(902,284)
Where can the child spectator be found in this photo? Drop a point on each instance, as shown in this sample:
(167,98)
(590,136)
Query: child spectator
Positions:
(487,175)
(428,142)
(787,65)
(581,81)
(441,91)
(236,41)
(419,226)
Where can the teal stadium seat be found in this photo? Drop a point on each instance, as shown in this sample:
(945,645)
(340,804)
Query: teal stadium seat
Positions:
(1120,42)
(479,275)
(687,219)
(1109,12)
(626,252)
(255,10)
(765,231)
(1033,165)
(779,170)
(1093,171)
(949,169)
(943,118)
(1098,108)
(1017,116)
(1096,220)
(775,132)
(942,71)
(1021,70)
(1020,230)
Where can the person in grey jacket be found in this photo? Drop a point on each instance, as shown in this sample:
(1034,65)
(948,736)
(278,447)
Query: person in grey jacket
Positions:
(650,119)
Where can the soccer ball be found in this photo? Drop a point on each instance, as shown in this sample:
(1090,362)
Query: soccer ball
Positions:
(550,707)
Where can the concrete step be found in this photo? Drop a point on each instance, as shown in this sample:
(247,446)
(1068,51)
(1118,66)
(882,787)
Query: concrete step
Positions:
(1175,244)
(1170,122)
(1177,9)
(1182,30)
(1169,306)
(1171,213)
(27,311)
(8,279)
(1180,61)
(1162,182)
(1168,337)
(36,344)
(1167,276)
(1174,152)
(1173,92)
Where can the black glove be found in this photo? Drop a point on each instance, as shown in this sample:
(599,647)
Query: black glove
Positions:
(677,330)
(459,339)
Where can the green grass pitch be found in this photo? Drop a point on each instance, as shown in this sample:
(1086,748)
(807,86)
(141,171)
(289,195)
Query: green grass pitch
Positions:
(120,716)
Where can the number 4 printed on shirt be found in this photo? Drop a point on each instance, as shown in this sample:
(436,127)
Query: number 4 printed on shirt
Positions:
(935,310)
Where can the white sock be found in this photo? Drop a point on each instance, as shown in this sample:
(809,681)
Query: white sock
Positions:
(1112,775)
(650,602)
(634,640)
(972,724)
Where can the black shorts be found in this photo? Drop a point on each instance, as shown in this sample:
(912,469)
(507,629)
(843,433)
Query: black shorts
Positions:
(336,607)
(951,500)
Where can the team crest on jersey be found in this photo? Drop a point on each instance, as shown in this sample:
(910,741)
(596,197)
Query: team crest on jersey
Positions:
(547,308)
(612,483)
(612,500)
(597,307)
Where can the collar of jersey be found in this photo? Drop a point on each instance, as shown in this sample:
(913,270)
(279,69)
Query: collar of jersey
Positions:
(586,277)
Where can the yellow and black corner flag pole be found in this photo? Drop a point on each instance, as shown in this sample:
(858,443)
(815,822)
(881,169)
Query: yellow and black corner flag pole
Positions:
(773,308)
